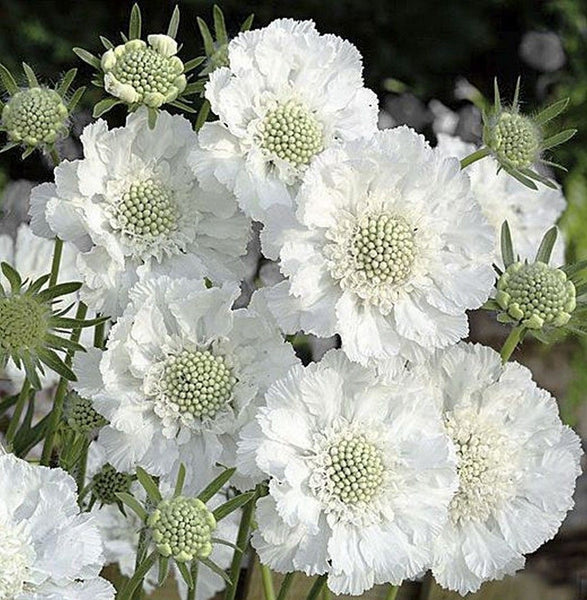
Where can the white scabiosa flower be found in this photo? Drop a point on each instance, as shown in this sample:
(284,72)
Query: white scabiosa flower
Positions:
(287,94)
(181,374)
(517,465)
(132,205)
(390,252)
(48,549)
(529,213)
(31,256)
(360,474)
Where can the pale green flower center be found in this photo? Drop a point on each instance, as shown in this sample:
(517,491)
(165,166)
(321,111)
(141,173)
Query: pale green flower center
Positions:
(16,557)
(147,71)
(147,210)
(108,482)
(516,140)
(383,248)
(23,323)
(292,133)
(35,116)
(354,469)
(182,528)
(536,295)
(197,383)
(484,465)
(80,415)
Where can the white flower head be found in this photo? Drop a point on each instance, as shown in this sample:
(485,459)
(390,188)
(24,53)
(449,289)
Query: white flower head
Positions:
(31,256)
(132,205)
(287,94)
(120,532)
(517,466)
(360,474)
(390,252)
(48,549)
(181,374)
(529,213)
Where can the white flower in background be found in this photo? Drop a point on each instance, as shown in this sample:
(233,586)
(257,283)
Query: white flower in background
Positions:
(529,213)
(391,251)
(120,533)
(132,205)
(31,256)
(360,474)
(48,549)
(517,466)
(288,94)
(181,374)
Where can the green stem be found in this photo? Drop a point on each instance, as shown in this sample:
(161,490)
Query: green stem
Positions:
(242,541)
(137,579)
(80,476)
(20,404)
(511,343)
(317,587)
(475,156)
(285,585)
(57,252)
(325,595)
(57,411)
(142,548)
(267,579)
(392,592)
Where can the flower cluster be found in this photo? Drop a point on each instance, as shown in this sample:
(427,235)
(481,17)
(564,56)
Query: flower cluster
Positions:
(187,423)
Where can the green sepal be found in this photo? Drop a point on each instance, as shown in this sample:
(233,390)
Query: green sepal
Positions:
(75,98)
(520,177)
(192,64)
(173,23)
(202,115)
(206,37)
(163,570)
(552,111)
(50,358)
(149,485)
(133,504)
(30,75)
(13,277)
(507,247)
(248,22)
(108,45)
(134,25)
(540,178)
(235,503)
(219,25)
(61,289)
(216,569)
(152,114)
(28,152)
(88,57)
(558,138)
(104,106)
(216,540)
(216,485)
(546,245)
(66,82)
(59,343)
(185,573)
(183,106)
(180,481)
(31,372)
(8,80)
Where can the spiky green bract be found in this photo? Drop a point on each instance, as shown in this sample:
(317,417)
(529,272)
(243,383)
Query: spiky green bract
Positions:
(138,73)
(180,525)
(33,328)
(538,298)
(518,141)
(36,116)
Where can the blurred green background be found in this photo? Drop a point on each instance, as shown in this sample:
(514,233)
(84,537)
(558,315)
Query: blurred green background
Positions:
(415,54)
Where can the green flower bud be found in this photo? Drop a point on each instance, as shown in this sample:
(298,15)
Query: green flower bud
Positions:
(80,415)
(24,323)
(108,482)
(514,140)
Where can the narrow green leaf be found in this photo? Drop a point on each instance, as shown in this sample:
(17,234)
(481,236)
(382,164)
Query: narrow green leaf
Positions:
(185,573)
(540,178)
(507,247)
(134,26)
(218,570)
(59,343)
(69,323)
(558,139)
(37,284)
(61,289)
(66,82)
(183,106)
(213,488)
(104,106)
(496,96)
(13,277)
(206,36)
(202,115)
(152,117)
(106,43)
(75,98)
(8,147)
(28,152)
(216,540)
(30,75)
(133,504)
(194,88)
(163,570)
(150,486)
(546,245)
(180,481)
(225,509)
(31,372)
(219,25)
(173,23)
(53,361)
(8,403)
(192,64)
(516,99)
(575,268)
(521,178)
(8,80)
(552,111)
(553,165)
(248,22)
(88,57)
